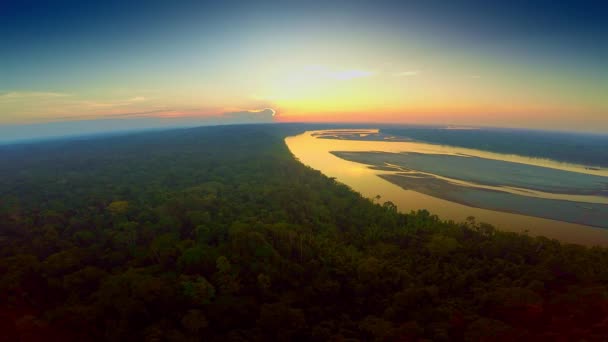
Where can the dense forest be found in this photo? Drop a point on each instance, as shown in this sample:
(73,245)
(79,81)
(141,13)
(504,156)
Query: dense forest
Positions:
(220,234)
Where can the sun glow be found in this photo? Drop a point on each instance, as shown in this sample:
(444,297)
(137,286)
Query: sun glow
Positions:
(336,67)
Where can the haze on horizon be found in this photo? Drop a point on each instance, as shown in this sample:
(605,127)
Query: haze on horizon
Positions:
(538,65)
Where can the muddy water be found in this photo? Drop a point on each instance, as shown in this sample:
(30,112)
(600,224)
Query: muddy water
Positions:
(315,152)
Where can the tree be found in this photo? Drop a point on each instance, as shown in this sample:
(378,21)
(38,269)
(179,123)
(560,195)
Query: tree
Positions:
(194,321)
(118,207)
(226,277)
(197,289)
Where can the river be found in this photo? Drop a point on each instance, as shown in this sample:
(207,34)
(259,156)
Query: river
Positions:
(315,152)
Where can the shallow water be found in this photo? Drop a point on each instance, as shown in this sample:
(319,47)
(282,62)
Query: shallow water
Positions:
(313,149)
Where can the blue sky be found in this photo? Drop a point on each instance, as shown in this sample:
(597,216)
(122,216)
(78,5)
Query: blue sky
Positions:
(448,62)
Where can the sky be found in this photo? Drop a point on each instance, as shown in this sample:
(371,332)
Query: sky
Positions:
(530,64)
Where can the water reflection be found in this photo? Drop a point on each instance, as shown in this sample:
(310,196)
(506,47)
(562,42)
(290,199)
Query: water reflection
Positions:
(313,149)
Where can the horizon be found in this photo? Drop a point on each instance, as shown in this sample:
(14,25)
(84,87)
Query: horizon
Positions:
(524,66)
(17,134)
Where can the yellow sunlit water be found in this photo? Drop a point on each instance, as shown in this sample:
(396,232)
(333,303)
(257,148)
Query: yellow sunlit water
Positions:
(315,152)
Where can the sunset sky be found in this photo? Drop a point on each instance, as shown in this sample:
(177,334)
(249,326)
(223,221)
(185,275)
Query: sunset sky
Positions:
(533,64)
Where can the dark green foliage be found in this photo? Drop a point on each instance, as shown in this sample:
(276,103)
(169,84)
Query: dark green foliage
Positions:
(219,234)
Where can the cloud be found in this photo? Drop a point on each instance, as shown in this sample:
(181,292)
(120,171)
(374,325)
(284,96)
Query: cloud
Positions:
(475,76)
(137,99)
(194,115)
(150,113)
(119,103)
(249,116)
(133,121)
(31,106)
(30,94)
(408,73)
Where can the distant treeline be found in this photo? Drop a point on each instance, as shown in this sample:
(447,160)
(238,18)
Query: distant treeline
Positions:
(586,149)
(219,234)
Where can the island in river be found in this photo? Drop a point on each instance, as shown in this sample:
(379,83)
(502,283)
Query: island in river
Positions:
(485,183)
(544,197)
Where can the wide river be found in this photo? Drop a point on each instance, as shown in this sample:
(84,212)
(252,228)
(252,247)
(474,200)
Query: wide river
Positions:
(313,151)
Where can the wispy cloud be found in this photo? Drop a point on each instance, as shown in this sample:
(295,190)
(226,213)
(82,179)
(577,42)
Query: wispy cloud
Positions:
(191,115)
(30,94)
(137,99)
(118,103)
(132,121)
(59,107)
(270,111)
(158,112)
(474,76)
(263,115)
(408,73)
(43,106)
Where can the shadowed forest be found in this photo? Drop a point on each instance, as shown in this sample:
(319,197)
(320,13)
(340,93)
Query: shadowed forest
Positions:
(220,234)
